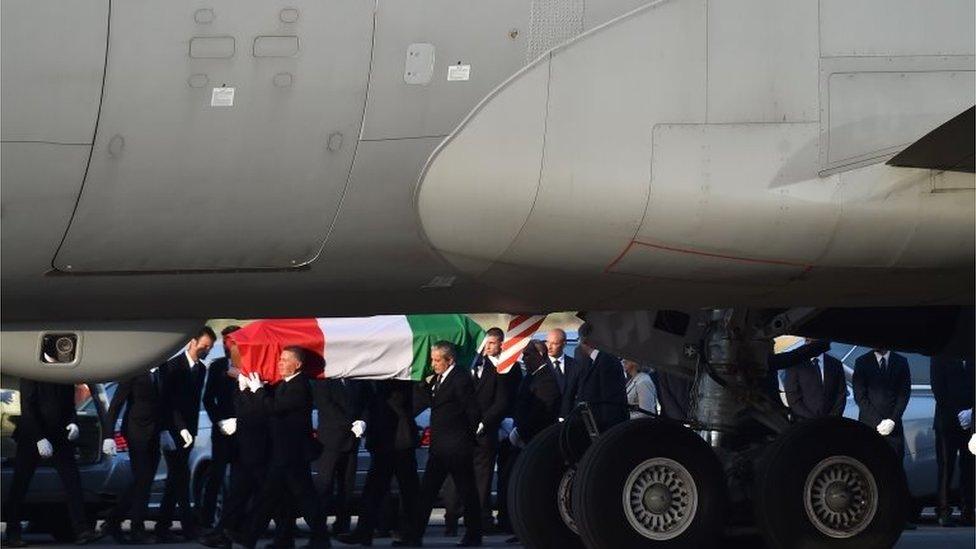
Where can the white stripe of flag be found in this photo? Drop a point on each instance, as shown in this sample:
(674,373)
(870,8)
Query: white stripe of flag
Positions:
(520,330)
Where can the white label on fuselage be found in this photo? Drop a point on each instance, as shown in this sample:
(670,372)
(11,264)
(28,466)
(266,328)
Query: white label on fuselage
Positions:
(222,97)
(457,73)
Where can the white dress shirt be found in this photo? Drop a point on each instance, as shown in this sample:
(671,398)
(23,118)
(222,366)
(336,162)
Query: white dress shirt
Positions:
(559,362)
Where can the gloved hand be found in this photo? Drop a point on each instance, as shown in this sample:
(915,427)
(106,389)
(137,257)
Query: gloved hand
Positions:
(886,427)
(965,418)
(166,441)
(108,447)
(228,426)
(480,429)
(972,445)
(187,438)
(44,448)
(73,431)
(254,382)
(562,419)
(358,428)
(242,382)
(513,437)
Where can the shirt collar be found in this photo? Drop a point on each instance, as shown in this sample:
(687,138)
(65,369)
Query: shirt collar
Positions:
(593,354)
(190,361)
(886,356)
(291,377)
(494,361)
(446,372)
(555,358)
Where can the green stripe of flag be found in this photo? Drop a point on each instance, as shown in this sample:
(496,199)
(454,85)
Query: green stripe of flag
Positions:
(429,329)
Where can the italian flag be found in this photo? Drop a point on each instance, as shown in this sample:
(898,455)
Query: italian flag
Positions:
(376,347)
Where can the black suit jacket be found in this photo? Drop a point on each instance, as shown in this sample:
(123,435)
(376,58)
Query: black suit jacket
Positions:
(674,394)
(45,410)
(181,388)
(219,392)
(289,408)
(390,423)
(253,434)
(339,402)
(570,367)
(492,392)
(454,414)
(881,395)
(538,401)
(512,380)
(953,382)
(140,397)
(808,396)
(601,383)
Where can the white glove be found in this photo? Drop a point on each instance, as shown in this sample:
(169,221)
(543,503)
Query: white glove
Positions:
(166,441)
(480,429)
(358,428)
(886,427)
(108,447)
(187,438)
(254,382)
(73,431)
(562,419)
(965,418)
(513,437)
(44,448)
(228,426)
(242,382)
(972,445)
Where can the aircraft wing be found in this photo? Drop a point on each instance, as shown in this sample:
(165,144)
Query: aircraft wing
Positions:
(949,147)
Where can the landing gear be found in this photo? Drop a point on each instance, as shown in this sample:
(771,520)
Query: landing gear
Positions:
(536,494)
(851,486)
(649,483)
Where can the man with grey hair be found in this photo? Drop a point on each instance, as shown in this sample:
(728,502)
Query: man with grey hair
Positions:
(454,420)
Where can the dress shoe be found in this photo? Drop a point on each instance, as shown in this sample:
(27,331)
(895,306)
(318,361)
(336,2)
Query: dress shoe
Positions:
(215,538)
(469,542)
(142,537)
(114,531)
(354,538)
(87,536)
(164,535)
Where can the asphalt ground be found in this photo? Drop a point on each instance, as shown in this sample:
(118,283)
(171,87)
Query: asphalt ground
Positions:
(927,536)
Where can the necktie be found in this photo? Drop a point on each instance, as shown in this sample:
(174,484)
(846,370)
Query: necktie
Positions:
(437,383)
(882,364)
(558,366)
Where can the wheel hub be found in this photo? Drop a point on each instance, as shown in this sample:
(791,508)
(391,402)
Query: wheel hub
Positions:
(840,496)
(564,499)
(660,499)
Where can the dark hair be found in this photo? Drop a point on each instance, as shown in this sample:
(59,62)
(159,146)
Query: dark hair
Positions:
(495,332)
(229,330)
(299,352)
(206,331)
(445,346)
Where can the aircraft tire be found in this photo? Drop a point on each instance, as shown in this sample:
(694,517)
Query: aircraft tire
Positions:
(854,492)
(649,482)
(532,494)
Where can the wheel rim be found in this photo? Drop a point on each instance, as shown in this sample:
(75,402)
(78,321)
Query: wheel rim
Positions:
(564,499)
(840,497)
(660,499)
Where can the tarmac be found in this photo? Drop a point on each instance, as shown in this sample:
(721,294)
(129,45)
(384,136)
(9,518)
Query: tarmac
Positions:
(927,536)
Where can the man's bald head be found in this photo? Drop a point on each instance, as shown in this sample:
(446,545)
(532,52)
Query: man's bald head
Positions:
(555,341)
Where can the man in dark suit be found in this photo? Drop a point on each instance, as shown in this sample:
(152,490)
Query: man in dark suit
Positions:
(248,469)
(181,384)
(391,438)
(288,406)
(816,387)
(491,392)
(882,386)
(538,400)
(340,410)
(454,420)
(139,396)
(673,394)
(47,429)
(599,381)
(218,400)
(511,378)
(953,382)
(564,367)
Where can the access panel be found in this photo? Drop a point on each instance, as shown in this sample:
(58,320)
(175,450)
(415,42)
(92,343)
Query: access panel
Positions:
(226,135)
